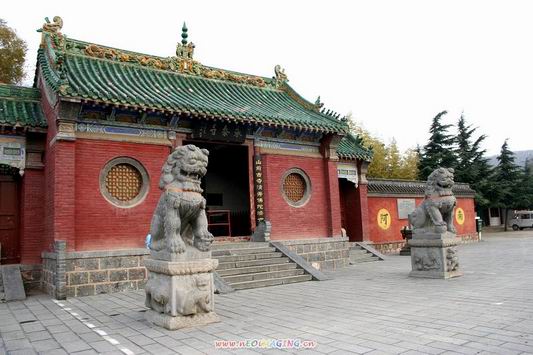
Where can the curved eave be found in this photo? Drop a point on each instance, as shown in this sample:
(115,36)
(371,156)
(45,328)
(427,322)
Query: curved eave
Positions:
(129,85)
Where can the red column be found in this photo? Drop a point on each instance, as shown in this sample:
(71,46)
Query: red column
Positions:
(361,218)
(362,227)
(333,199)
(63,199)
(329,152)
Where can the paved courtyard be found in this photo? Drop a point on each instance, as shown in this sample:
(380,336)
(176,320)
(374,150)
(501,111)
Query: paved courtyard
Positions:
(372,308)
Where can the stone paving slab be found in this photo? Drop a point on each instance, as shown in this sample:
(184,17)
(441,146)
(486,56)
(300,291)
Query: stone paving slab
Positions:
(372,308)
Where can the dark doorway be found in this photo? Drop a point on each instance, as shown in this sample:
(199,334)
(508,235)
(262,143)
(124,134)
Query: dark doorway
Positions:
(227,189)
(9,216)
(350,211)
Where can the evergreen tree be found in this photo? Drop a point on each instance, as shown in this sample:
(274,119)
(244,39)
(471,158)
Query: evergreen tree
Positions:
(525,189)
(507,179)
(12,55)
(438,152)
(471,165)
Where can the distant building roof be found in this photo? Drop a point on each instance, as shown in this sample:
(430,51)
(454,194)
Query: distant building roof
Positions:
(351,147)
(20,107)
(411,187)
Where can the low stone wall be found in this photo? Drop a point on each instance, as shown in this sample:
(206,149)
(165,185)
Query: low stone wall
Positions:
(87,273)
(394,247)
(391,247)
(322,254)
(94,272)
(48,275)
(469,238)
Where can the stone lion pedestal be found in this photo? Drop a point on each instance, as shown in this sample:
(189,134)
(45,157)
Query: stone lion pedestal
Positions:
(434,242)
(434,255)
(180,293)
(180,288)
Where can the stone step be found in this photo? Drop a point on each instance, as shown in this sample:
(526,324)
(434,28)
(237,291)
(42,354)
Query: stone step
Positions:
(259,262)
(355,259)
(262,276)
(270,282)
(242,251)
(256,269)
(237,245)
(247,257)
(358,250)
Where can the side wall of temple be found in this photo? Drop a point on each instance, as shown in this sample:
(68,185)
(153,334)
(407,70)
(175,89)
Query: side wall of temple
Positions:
(388,238)
(100,224)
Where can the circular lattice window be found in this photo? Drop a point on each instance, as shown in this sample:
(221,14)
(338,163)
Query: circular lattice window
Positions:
(124,182)
(295,187)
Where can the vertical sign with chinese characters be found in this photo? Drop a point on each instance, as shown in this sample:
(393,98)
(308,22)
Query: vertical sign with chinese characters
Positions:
(259,193)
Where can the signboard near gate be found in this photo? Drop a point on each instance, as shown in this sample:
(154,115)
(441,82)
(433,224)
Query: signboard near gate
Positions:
(13,152)
(405,206)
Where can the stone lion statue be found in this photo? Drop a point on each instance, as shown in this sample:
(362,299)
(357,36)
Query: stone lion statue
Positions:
(435,213)
(180,216)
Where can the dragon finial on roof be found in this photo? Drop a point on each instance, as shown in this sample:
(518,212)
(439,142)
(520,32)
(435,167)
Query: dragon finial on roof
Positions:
(318,104)
(52,27)
(280,77)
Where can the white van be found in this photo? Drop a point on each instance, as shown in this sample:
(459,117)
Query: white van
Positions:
(521,220)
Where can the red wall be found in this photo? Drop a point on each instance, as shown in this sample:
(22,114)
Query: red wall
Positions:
(469,227)
(392,234)
(99,224)
(308,221)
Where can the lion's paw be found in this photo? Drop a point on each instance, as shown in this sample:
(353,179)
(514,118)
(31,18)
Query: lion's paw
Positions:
(203,240)
(176,246)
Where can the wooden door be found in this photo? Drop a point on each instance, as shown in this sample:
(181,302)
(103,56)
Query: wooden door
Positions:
(9,233)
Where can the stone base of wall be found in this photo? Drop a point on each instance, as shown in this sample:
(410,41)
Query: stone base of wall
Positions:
(31,276)
(48,275)
(87,273)
(394,247)
(469,238)
(322,254)
(94,272)
(391,247)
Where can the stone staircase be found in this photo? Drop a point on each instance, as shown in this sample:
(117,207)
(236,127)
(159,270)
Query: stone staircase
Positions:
(359,255)
(255,264)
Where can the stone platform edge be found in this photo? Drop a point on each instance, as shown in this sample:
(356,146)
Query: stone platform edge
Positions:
(321,253)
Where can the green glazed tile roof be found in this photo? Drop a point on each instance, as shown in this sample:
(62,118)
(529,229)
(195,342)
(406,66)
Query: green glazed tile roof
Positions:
(350,147)
(86,71)
(20,106)
(411,187)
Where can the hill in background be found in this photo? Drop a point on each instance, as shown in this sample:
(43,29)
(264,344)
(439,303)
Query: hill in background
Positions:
(520,158)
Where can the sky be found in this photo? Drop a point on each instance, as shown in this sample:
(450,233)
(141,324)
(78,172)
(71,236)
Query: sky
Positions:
(393,64)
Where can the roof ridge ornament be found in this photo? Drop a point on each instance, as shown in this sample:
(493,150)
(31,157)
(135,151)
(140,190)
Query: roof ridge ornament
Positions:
(184,34)
(185,50)
(52,27)
(281,77)
(318,104)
